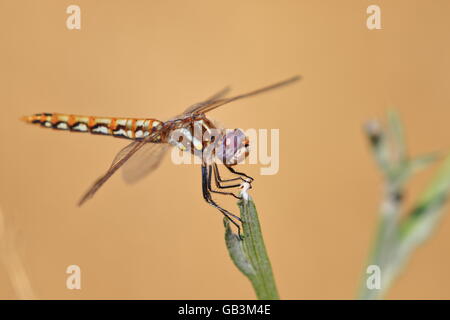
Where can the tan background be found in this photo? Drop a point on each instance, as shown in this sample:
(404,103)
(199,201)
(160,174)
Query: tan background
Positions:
(159,239)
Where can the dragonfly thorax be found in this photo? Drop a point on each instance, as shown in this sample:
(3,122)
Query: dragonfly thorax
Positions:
(233,147)
(203,139)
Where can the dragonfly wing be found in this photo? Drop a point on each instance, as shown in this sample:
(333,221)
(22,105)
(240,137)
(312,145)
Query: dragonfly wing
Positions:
(145,161)
(123,152)
(121,158)
(207,106)
(208,101)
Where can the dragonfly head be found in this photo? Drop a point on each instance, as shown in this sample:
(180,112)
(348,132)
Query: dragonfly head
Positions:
(233,147)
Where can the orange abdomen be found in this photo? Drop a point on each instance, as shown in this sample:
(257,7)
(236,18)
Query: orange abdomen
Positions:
(128,128)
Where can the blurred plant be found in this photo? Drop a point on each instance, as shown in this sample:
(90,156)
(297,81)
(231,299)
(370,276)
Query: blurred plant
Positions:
(12,262)
(396,238)
(249,254)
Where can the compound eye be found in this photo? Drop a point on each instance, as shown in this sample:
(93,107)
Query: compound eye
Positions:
(232,151)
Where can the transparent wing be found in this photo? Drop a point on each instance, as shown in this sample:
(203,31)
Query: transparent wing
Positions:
(123,152)
(208,101)
(150,155)
(204,107)
(145,161)
(121,158)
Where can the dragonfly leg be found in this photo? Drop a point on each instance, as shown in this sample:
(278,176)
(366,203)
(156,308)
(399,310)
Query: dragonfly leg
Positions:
(206,188)
(218,180)
(240,174)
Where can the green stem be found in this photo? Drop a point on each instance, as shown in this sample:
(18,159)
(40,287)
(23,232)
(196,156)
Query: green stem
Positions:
(249,254)
(397,239)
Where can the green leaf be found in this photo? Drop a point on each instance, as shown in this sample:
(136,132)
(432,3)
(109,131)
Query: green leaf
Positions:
(396,239)
(422,162)
(428,207)
(236,251)
(249,254)
(395,129)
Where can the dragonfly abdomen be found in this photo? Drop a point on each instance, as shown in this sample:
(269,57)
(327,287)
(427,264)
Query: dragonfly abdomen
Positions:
(128,128)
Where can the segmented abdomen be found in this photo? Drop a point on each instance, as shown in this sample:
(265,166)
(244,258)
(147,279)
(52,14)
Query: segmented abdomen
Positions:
(118,127)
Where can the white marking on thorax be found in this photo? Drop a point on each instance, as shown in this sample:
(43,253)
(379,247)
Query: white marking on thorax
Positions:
(186,141)
(199,125)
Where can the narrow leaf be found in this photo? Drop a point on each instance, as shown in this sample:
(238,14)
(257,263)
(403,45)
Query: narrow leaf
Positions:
(249,254)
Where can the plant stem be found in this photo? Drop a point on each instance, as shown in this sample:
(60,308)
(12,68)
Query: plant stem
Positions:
(249,254)
(10,258)
(396,239)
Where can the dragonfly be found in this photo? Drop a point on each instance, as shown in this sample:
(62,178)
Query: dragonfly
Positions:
(151,139)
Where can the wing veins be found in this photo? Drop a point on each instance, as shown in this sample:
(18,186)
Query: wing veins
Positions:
(117,163)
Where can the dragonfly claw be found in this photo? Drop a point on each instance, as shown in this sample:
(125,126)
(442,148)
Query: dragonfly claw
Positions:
(245,186)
